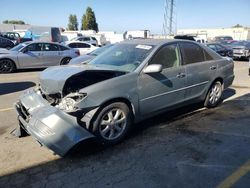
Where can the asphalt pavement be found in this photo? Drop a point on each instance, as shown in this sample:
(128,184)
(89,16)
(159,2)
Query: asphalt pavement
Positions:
(189,147)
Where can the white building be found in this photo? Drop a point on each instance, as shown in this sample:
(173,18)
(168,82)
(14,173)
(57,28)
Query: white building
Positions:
(241,33)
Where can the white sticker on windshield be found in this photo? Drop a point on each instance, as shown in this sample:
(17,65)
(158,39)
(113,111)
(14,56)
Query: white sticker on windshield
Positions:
(144,47)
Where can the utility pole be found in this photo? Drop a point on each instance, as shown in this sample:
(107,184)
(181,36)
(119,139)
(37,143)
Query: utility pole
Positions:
(169,20)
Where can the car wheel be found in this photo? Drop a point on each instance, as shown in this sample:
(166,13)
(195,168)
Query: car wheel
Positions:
(214,95)
(7,66)
(65,61)
(112,123)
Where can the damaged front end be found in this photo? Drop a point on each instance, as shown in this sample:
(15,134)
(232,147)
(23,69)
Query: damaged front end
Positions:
(49,125)
(53,113)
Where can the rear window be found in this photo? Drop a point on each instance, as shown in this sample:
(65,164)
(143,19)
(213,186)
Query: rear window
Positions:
(191,53)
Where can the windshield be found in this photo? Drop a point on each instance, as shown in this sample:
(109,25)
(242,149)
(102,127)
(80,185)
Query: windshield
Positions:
(18,47)
(98,51)
(123,57)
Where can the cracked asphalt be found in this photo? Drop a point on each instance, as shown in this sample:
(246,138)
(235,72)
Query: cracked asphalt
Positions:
(188,147)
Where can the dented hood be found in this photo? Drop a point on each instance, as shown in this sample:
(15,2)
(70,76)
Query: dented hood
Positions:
(75,77)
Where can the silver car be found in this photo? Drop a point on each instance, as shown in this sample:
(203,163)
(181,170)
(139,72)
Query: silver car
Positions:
(35,55)
(129,82)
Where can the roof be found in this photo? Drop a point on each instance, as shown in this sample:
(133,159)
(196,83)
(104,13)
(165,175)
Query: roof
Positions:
(155,42)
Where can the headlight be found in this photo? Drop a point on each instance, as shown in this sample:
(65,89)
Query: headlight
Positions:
(69,102)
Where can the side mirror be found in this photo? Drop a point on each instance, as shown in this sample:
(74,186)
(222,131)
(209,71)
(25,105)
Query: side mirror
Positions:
(154,68)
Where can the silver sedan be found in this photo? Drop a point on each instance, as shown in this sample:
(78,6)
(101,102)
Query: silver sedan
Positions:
(35,55)
(127,83)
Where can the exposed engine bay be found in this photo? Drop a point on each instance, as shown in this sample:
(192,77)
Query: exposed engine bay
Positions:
(75,83)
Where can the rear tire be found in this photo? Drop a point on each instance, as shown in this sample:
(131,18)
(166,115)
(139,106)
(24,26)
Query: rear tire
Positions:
(7,66)
(112,123)
(65,61)
(214,95)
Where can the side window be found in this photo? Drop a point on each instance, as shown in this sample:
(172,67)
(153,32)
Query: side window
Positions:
(191,53)
(50,47)
(212,46)
(86,39)
(208,57)
(36,47)
(219,47)
(167,56)
(73,45)
(82,45)
(54,47)
(63,48)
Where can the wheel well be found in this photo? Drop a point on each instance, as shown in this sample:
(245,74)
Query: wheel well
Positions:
(124,100)
(10,60)
(64,59)
(218,79)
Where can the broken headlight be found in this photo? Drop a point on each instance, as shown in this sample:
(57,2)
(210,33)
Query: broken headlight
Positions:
(69,102)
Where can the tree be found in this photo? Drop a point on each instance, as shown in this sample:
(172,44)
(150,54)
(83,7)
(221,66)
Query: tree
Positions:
(73,24)
(237,26)
(14,22)
(89,20)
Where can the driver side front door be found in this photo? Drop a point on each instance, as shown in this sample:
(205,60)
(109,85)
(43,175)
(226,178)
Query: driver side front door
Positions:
(31,56)
(164,89)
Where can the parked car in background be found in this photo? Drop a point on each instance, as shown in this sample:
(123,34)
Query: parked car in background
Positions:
(131,81)
(220,39)
(83,47)
(88,39)
(13,36)
(241,49)
(35,55)
(83,58)
(6,43)
(221,49)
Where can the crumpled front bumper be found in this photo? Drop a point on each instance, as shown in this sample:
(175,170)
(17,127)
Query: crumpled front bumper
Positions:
(50,126)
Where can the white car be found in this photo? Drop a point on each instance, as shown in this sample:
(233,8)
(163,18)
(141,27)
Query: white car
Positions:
(83,47)
(88,39)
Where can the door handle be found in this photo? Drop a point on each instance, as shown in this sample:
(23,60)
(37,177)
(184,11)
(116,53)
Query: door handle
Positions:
(181,75)
(213,67)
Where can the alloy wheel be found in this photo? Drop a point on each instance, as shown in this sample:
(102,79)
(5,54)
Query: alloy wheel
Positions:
(215,93)
(113,124)
(6,66)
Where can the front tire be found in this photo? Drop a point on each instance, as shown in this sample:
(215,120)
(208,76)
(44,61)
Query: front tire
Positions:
(214,95)
(7,66)
(112,123)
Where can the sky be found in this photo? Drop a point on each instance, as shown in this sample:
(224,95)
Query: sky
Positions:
(123,15)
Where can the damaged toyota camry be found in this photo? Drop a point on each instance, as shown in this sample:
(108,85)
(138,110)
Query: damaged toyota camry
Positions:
(129,82)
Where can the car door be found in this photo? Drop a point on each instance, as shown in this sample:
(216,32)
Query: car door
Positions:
(51,54)
(160,90)
(84,48)
(200,69)
(31,56)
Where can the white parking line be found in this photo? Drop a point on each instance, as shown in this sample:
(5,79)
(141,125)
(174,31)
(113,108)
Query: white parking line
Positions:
(6,109)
